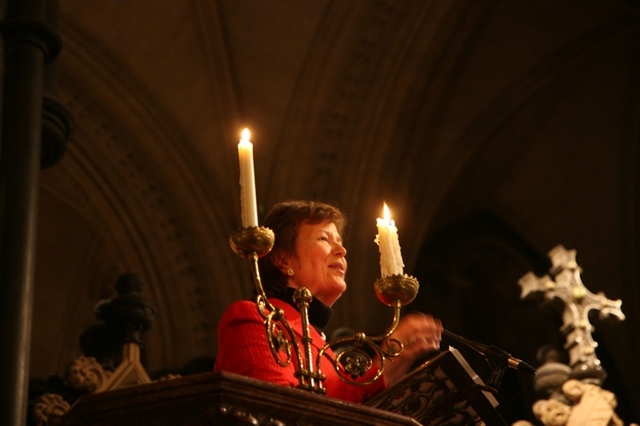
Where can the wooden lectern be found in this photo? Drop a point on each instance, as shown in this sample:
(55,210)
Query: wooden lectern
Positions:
(443,391)
(221,398)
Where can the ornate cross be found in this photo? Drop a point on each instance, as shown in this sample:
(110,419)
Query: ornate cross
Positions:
(563,282)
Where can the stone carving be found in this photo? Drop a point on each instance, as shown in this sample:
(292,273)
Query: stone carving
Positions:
(552,412)
(586,405)
(49,408)
(564,283)
(85,373)
(113,345)
(592,405)
(573,393)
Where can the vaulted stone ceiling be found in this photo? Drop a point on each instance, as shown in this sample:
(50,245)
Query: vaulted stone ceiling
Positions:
(494,129)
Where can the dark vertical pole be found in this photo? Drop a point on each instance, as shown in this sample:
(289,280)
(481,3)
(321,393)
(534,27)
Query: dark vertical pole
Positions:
(28,44)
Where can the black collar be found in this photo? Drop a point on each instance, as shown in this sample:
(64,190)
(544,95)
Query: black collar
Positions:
(319,313)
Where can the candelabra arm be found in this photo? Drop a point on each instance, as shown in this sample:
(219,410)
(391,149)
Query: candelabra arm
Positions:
(353,364)
(395,291)
(397,306)
(261,299)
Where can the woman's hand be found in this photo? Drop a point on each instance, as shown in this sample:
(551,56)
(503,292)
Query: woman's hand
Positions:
(419,334)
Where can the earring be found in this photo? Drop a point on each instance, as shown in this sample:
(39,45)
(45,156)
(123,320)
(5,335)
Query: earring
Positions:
(290,272)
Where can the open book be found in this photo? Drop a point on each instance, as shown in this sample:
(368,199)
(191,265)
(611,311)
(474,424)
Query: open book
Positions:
(443,391)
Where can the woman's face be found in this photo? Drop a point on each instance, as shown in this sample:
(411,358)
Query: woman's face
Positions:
(319,263)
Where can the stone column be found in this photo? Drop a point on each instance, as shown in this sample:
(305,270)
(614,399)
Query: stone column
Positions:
(28,45)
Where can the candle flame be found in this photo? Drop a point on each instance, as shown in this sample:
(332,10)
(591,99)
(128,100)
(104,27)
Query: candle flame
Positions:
(246,134)
(386,213)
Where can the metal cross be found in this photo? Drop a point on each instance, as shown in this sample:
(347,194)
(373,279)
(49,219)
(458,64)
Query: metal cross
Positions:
(564,282)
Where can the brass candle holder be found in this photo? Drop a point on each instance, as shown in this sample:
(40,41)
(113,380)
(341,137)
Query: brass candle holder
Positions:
(352,364)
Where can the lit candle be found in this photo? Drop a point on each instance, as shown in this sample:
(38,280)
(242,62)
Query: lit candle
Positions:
(247,181)
(389,245)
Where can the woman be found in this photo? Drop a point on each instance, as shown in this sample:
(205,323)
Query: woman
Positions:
(308,252)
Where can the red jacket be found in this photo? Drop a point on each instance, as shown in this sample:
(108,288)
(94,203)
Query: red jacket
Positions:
(243,349)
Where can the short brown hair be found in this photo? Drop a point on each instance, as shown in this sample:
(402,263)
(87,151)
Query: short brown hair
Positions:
(284,219)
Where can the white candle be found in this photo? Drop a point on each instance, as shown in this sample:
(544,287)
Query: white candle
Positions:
(389,245)
(248,202)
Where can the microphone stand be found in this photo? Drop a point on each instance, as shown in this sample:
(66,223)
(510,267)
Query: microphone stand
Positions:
(499,360)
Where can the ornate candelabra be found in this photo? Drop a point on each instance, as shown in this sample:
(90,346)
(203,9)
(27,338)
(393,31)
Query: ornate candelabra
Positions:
(353,364)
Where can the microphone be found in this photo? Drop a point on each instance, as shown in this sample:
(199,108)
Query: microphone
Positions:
(495,356)
(520,365)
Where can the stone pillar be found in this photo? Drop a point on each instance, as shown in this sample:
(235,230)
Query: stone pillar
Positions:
(28,45)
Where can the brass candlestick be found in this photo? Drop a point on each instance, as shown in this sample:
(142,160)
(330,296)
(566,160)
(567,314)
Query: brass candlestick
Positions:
(353,364)
(253,243)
